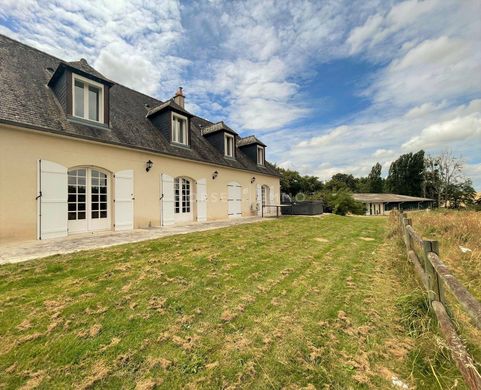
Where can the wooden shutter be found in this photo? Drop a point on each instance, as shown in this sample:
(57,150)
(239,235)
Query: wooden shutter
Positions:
(167,199)
(201,200)
(52,200)
(124,200)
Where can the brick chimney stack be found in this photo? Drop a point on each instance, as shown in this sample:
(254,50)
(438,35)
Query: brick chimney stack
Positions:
(179,97)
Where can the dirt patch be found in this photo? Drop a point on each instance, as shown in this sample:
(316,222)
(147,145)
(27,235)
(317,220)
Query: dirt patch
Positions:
(320,239)
(34,381)
(24,325)
(186,343)
(147,384)
(158,362)
(29,337)
(92,332)
(211,366)
(157,304)
(99,372)
(366,238)
(398,348)
(113,343)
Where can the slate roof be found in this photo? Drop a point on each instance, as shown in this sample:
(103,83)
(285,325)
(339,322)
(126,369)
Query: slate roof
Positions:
(217,127)
(168,104)
(26,101)
(387,198)
(251,139)
(81,67)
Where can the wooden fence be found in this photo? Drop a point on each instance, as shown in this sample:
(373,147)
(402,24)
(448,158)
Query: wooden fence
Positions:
(437,279)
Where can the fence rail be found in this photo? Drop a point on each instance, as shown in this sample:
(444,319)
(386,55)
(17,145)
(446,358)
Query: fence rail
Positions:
(437,278)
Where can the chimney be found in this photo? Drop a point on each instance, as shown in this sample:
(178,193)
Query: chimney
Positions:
(179,97)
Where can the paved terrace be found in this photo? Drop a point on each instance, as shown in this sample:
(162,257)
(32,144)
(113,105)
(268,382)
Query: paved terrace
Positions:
(28,250)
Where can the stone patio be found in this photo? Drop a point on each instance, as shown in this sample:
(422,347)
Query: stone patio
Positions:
(35,249)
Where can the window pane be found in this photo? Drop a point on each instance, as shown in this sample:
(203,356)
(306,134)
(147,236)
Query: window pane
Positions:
(71,216)
(81,215)
(95,214)
(79,99)
(181,131)
(94,95)
(103,214)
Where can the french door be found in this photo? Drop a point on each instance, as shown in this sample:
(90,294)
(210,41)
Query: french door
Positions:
(88,200)
(183,199)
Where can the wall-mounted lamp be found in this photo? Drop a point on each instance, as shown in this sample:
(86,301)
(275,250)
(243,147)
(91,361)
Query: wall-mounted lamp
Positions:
(253,179)
(214,175)
(148,165)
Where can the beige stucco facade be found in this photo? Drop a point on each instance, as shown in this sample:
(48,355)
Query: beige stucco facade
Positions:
(20,150)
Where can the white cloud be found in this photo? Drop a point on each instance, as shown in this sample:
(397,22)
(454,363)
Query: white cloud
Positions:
(465,129)
(130,42)
(252,64)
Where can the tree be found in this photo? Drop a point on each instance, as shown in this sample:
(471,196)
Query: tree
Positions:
(342,181)
(293,183)
(461,194)
(406,174)
(442,174)
(374,180)
(342,202)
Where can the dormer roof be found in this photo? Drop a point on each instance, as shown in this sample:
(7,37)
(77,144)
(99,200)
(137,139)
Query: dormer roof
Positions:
(82,68)
(169,104)
(249,140)
(26,103)
(219,126)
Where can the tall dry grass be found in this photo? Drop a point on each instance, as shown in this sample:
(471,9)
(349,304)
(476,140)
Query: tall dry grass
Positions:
(455,229)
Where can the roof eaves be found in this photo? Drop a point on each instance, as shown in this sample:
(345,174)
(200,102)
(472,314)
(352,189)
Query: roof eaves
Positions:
(64,65)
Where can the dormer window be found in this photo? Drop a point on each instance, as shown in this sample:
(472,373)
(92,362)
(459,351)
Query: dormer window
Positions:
(88,99)
(179,129)
(229,145)
(260,155)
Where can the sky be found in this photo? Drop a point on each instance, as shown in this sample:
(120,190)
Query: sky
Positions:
(329,86)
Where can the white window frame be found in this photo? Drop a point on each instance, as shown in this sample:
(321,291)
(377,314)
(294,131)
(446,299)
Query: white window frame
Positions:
(227,152)
(86,83)
(262,160)
(186,129)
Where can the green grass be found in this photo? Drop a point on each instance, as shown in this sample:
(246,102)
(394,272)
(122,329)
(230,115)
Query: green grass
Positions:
(296,302)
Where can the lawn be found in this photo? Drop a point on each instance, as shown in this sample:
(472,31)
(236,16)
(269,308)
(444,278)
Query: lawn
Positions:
(297,303)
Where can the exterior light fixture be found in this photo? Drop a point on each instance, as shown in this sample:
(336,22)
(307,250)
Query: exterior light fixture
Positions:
(215,174)
(148,165)
(253,179)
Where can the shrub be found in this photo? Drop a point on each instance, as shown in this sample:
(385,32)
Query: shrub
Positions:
(343,203)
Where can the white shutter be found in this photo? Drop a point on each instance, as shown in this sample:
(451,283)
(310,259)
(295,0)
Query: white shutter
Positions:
(272,197)
(52,200)
(234,200)
(201,200)
(167,202)
(259,199)
(124,200)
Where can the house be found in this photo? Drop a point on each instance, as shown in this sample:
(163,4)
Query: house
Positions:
(380,204)
(81,153)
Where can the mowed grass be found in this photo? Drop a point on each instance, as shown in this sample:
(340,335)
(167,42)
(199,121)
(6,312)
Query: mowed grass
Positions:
(292,303)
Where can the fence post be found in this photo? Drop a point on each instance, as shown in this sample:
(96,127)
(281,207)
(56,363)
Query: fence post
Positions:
(408,222)
(435,284)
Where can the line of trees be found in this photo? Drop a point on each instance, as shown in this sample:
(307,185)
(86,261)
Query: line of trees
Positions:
(437,177)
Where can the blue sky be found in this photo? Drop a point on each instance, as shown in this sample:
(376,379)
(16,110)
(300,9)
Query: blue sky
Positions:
(329,86)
